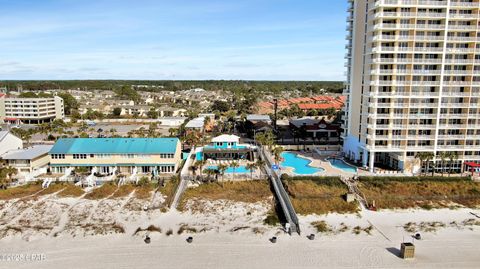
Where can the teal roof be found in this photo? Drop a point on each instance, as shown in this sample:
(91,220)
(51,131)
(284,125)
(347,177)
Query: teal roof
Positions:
(115,145)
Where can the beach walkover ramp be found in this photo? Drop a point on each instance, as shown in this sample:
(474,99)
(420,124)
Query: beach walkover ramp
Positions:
(184,178)
(281,194)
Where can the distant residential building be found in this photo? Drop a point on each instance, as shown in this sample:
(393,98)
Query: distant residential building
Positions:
(27,160)
(256,123)
(172,121)
(105,109)
(316,129)
(211,116)
(168,111)
(258,118)
(197,124)
(8,142)
(30,110)
(125,155)
(118,103)
(140,111)
(321,102)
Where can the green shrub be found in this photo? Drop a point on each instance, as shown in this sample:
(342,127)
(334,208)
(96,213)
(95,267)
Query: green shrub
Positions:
(271,219)
(329,181)
(321,226)
(143,181)
(378,181)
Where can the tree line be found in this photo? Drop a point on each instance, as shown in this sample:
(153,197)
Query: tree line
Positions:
(235,86)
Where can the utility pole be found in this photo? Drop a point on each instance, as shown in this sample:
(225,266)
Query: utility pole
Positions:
(275,108)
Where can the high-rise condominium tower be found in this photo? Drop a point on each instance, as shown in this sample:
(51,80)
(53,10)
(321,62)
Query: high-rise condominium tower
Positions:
(413,84)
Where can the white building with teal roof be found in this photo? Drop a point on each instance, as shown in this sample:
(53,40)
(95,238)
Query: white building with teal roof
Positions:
(107,156)
(226,147)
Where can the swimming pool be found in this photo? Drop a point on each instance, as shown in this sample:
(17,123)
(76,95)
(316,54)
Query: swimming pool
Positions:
(301,166)
(342,165)
(238,170)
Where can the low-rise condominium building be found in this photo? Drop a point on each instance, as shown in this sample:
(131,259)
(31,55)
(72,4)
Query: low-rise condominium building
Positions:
(122,155)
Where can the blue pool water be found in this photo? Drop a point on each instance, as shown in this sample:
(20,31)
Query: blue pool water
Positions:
(301,166)
(340,164)
(238,170)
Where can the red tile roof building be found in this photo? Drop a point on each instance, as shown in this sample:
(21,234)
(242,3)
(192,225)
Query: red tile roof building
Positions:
(320,102)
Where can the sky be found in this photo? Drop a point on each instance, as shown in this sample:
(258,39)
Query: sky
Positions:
(172,39)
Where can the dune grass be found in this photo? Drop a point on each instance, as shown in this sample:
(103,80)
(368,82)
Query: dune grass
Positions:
(123,191)
(54,187)
(271,219)
(21,191)
(316,196)
(169,189)
(422,193)
(239,191)
(70,190)
(102,192)
(151,228)
(321,226)
(144,192)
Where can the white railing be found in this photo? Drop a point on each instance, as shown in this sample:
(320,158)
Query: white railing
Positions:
(463,4)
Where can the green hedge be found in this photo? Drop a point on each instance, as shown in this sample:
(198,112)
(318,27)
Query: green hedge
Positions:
(329,181)
(380,180)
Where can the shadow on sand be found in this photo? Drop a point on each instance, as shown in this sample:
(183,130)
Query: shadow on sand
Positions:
(394,251)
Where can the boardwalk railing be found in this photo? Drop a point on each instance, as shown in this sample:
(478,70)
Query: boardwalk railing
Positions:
(281,193)
(184,178)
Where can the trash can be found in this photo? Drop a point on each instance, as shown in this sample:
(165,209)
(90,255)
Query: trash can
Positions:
(407,250)
(349,197)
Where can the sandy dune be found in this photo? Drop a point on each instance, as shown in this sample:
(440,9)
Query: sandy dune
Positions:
(80,233)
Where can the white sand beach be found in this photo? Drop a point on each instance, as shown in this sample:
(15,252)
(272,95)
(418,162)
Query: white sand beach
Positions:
(227,235)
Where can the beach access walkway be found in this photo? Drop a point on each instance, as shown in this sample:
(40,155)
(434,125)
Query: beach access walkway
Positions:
(292,225)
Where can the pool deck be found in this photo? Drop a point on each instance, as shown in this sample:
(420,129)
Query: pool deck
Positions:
(318,161)
(256,175)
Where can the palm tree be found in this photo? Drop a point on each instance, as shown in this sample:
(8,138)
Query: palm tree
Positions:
(113,131)
(452,156)
(234,165)
(191,139)
(422,157)
(428,157)
(251,167)
(443,156)
(260,163)
(269,139)
(200,165)
(221,169)
(206,122)
(193,168)
(173,131)
(27,136)
(6,174)
(260,138)
(277,154)
(211,172)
